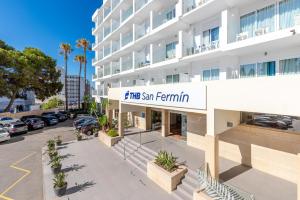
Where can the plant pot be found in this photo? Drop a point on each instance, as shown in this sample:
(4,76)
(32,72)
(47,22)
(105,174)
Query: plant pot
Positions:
(79,138)
(96,134)
(56,170)
(52,155)
(58,143)
(61,191)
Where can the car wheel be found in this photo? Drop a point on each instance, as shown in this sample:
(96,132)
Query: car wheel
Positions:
(89,133)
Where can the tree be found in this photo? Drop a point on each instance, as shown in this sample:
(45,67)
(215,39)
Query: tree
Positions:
(80,59)
(86,46)
(52,103)
(65,50)
(27,70)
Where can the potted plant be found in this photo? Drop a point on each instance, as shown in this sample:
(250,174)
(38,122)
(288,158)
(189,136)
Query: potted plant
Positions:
(165,171)
(52,154)
(110,138)
(78,136)
(95,131)
(60,184)
(56,165)
(51,145)
(103,122)
(58,140)
(112,133)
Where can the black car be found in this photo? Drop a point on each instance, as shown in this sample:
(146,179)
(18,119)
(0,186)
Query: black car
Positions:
(49,120)
(65,113)
(81,122)
(24,118)
(34,123)
(48,113)
(90,127)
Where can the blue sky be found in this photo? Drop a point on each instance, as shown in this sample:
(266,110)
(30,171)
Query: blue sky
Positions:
(45,24)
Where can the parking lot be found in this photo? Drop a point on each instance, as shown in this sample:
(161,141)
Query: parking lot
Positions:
(21,163)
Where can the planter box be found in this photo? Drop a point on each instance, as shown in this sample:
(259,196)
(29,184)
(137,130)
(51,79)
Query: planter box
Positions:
(166,180)
(200,195)
(107,140)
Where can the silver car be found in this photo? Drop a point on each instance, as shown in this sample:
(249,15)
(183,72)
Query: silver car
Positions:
(4,135)
(16,127)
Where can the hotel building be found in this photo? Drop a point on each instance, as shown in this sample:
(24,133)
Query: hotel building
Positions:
(222,74)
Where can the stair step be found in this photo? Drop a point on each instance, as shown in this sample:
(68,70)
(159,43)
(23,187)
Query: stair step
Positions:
(150,151)
(191,183)
(181,195)
(135,148)
(186,187)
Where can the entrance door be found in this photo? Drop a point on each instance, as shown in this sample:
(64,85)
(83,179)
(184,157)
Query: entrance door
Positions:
(156,120)
(183,125)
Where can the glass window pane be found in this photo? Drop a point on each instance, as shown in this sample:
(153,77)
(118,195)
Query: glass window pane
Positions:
(206,37)
(289,66)
(266,18)
(215,34)
(288,9)
(247,70)
(206,75)
(176,78)
(248,23)
(169,79)
(215,73)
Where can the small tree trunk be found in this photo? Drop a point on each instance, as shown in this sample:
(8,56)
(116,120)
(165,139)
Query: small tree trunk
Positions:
(11,102)
(79,80)
(66,83)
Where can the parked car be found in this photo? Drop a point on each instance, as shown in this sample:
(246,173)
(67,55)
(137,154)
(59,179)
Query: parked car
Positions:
(24,118)
(5,118)
(81,120)
(4,135)
(16,127)
(65,113)
(89,127)
(49,120)
(35,123)
(81,123)
(61,117)
(48,113)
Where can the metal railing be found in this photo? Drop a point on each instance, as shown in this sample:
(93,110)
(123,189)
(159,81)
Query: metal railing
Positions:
(220,191)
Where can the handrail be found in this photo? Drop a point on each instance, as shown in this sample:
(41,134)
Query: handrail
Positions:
(218,190)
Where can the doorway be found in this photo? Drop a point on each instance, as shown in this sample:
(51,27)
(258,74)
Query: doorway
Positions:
(178,125)
(155,120)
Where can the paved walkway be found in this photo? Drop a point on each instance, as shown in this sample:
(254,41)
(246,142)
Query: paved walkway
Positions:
(97,172)
(262,185)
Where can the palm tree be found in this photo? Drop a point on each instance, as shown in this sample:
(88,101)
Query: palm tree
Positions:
(65,50)
(80,59)
(86,46)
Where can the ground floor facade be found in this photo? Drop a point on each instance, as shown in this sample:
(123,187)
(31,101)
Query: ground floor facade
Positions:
(254,122)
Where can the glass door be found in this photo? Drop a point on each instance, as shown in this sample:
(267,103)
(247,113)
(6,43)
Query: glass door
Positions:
(183,125)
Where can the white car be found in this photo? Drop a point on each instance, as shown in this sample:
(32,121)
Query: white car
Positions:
(4,135)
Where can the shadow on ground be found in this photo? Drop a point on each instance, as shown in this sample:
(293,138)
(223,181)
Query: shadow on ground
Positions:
(80,187)
(74,167)
(233,172)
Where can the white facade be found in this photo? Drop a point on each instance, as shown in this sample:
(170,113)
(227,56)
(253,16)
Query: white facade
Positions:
(140,42)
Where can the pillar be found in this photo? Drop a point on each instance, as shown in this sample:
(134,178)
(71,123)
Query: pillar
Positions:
(165,125)
(212,155)
(110,116)
(148,118)
(298,184)
(121,123)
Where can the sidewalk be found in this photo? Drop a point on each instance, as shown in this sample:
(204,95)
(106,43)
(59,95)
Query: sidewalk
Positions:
(96,172)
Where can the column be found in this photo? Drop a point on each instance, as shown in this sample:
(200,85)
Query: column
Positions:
(121,123)
(179,50)
(110,116)
(212,151)
(298,184)
(165,125)
(148,118)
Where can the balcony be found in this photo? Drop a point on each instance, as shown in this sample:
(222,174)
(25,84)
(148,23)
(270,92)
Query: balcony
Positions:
(107,31)
(115,67)
(127,13)
(127,38)
(165,50)
(107,70)
(142,29)
(115,46)
(202,48)
(107,51)
(114,3)
(115,24)
(192,4)
(126,63)
(142,58)
(107,11)
(162,17)
(139,4)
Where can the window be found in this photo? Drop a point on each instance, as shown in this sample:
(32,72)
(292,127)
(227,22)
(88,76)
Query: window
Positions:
(289,66)
(171,50)
(210,36)
(266,69)
(288,10)
(261,19)
(172,78)
(248,70)
(210,74)
(171,14)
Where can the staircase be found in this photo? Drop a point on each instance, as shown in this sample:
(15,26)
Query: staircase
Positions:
(138,156)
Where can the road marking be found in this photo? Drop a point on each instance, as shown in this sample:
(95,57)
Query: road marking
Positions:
(27,172)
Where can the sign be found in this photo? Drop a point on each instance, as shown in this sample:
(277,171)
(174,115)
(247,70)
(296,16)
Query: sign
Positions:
(176,95)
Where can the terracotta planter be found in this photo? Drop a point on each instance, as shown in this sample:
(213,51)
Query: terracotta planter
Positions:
(61,191)
(107,140)
(166,180)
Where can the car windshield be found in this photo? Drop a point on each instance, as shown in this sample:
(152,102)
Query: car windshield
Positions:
(6,118)
(2,131)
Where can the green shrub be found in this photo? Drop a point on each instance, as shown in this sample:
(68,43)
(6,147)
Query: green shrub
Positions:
(112,133)
(166,161)
(59,180)
(55,163)
(51,145)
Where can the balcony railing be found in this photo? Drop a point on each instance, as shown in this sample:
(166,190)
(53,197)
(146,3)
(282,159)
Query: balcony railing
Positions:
(106,51)
(114,3)
(106,31)
(127,65)
(139,4)
(127,13)
(107,70)
(127,39)
(141,64)
(195,5)
(107,11)
(203,48)
(164,16)
(115,25)
(116,46)
(115,68)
